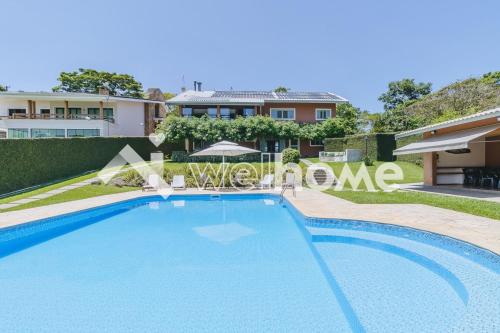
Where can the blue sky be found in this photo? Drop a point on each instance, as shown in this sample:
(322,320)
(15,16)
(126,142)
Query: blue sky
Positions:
(353,48)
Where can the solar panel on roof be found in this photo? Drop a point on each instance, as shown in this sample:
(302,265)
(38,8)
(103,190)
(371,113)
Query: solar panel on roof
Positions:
(304,95)
(243,94)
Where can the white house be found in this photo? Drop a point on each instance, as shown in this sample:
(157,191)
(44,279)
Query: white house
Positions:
(48,114)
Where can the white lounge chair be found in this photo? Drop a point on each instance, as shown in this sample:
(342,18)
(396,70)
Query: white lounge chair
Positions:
(178,183)
(153,183)
(267,181)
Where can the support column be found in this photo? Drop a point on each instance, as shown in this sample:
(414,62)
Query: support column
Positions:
(218,111)
(255,110)
(101,110)
(33,109)
(66,107)
(30,109)
(430,166)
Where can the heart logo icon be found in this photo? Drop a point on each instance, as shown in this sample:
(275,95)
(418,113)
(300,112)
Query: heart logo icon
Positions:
(157,138)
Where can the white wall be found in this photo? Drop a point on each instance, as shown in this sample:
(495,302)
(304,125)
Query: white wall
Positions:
(475,158)
(129,120)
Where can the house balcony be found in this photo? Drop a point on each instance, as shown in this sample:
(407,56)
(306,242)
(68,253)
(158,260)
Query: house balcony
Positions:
(21,116)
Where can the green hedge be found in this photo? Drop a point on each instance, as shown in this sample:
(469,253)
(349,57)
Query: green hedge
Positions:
(412,158)
(380,146)
(30,162)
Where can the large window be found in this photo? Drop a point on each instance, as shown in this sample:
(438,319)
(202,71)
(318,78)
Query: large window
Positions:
(108,113)
(47,133)
(323,114)
(248,112)
(17,112)
(283,114)
(187,112)
(93,113)
(83,132)
(59,112)
(225,113)
(18,133)
(74,112)
(212,112)
(45,113)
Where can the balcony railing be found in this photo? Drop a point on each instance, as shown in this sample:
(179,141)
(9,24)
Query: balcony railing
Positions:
(58,117)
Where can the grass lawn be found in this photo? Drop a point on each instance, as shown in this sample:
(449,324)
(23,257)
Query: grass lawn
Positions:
(84,192)
(412,173)
(48,188)
(464,205)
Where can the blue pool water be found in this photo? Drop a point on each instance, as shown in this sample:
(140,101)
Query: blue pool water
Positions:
(239,263)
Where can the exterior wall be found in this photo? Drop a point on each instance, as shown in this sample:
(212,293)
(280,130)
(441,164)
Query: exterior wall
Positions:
(129,119)
(476,157)
(306,150)
(304,112)
(492,152)
(53,124)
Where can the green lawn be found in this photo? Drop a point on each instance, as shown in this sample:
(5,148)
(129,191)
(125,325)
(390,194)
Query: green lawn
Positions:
(84,192)
(412,173)
(48,188)
(470,206)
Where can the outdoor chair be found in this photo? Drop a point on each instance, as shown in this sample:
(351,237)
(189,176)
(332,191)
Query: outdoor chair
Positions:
(487,178)
(178,183)
(471,177)
(153,183)
(267,181)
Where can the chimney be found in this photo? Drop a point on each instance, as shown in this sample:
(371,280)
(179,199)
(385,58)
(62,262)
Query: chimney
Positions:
(199,86)
(195,84)
(103,91)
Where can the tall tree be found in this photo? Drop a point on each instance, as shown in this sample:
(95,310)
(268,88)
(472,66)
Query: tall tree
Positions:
(400,92)
(90,81)
(350,116)
(281,89)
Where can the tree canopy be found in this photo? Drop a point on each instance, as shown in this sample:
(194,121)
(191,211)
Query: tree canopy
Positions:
(90,81)
(3,88)
(400,92)
(281,89)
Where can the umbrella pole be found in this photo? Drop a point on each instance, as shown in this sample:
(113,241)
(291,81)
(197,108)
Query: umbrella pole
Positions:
(223,171)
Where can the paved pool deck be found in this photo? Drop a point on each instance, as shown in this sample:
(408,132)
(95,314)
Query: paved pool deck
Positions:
(477,230)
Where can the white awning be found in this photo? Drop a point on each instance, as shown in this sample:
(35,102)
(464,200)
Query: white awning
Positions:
(455,140)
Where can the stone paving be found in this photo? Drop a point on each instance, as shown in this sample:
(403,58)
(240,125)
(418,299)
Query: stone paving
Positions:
(481,231)
(46,194)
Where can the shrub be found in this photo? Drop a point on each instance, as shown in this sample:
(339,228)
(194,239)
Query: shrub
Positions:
(290,155)
(368,161)
(29,162)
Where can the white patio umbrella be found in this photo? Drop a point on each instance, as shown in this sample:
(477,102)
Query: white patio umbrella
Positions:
(225,148)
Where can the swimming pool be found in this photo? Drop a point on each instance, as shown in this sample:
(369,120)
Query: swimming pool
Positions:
(239,263)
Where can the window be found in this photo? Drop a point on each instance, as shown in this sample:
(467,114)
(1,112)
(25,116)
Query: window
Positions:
(83,132)
(187,112)
(45,113)
(59,112)
(212,112)
(15,112)
(47,133)
(3,135)
(74,112)
(313,143)
(283,114)
(294,143)
(108,113)
(323,114)
(18,133)
(93,113)
(225,113)
(248,112)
